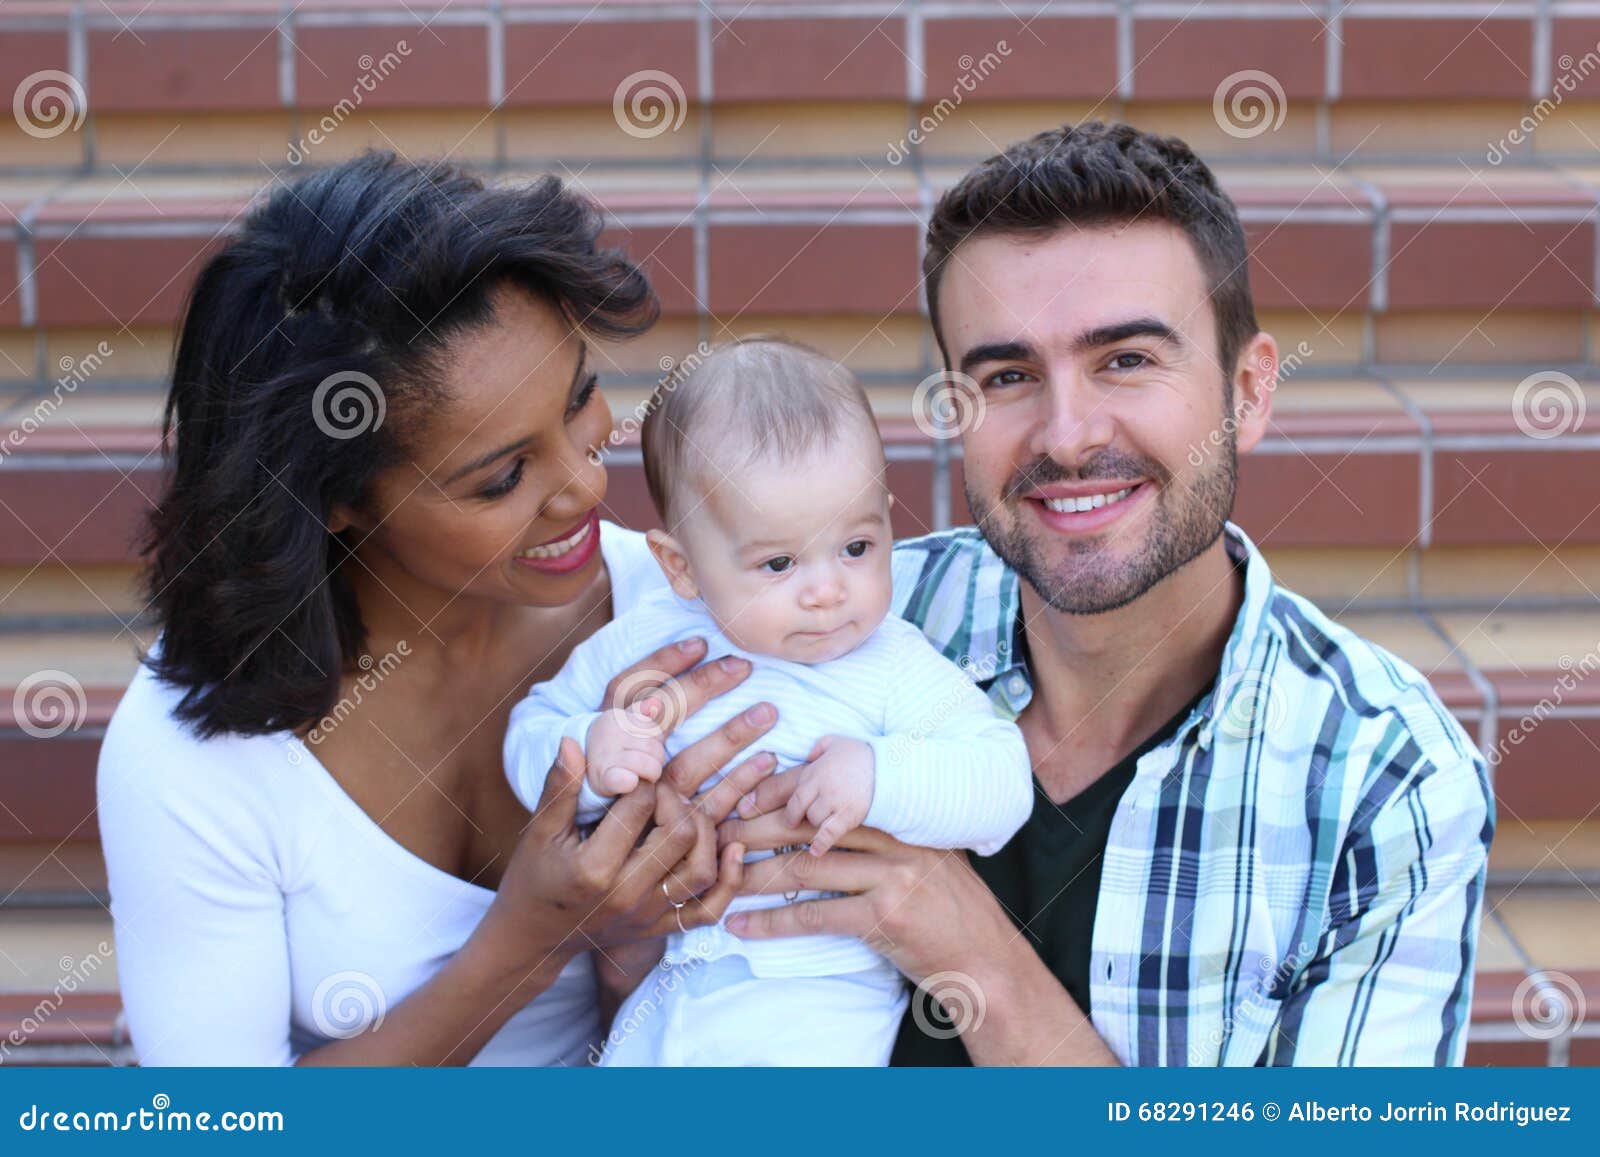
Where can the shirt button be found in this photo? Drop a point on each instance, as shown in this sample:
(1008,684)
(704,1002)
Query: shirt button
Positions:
(1016,684)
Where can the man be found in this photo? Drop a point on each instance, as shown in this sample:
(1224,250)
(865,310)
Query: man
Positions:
(1258,838)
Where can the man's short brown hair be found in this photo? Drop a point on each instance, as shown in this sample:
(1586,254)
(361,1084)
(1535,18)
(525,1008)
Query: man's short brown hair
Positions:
(1097,174)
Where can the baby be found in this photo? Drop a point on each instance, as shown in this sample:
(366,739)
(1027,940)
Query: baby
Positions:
(766,466)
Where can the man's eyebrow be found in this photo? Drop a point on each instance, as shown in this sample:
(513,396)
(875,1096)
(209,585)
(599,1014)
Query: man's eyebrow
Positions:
(1121,331)
(996,351)
(1100,335)
(512,447)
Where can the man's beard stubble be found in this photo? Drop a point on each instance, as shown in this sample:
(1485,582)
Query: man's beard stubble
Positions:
(1183,523)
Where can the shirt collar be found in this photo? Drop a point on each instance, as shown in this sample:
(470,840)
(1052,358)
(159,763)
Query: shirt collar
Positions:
(997,659)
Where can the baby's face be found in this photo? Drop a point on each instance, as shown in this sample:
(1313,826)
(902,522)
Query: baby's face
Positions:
(792,559)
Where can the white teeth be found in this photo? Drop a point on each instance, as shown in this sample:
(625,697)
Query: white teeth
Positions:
(565,546)
(1088,502)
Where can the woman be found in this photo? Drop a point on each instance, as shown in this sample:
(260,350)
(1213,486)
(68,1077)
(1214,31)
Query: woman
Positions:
(380,531)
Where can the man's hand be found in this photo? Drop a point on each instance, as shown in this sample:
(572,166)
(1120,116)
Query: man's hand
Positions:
(624,747)
(931,914)
(925,909)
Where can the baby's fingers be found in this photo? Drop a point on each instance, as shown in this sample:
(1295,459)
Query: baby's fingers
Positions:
(805,794)
(617,781)
(832,829)
(770,795)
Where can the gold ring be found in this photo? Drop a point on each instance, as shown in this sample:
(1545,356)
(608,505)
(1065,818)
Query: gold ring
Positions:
(677,914)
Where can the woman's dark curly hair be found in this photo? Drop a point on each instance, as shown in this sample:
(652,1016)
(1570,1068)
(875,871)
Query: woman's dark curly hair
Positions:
(311,347)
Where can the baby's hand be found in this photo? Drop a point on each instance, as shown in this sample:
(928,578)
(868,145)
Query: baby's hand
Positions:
(832,791)
(624,746)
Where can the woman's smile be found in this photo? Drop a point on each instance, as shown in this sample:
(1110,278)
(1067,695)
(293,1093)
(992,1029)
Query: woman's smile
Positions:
(569,552)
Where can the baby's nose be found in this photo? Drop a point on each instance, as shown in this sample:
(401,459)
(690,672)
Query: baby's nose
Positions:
(827,591)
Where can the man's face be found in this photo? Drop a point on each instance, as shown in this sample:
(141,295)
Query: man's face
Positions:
(1095,353)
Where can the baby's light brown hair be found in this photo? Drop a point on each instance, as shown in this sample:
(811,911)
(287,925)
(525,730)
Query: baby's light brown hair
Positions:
(750,398)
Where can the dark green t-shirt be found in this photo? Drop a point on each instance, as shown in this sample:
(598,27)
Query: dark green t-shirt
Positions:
(1048,879)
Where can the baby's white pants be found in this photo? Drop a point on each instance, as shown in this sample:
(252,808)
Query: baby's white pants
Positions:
(719,1013)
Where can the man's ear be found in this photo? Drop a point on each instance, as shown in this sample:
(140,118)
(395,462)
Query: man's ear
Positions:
(1255,377)
(673,562)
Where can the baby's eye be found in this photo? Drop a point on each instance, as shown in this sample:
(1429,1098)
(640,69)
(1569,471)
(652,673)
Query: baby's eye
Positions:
(858,548)
(778,565)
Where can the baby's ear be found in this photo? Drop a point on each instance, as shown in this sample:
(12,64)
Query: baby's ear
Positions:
(673,562)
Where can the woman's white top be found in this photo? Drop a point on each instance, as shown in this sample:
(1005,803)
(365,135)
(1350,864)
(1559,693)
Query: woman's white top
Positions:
(261,913)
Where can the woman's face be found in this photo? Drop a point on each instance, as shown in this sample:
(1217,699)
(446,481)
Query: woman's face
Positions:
(500,499)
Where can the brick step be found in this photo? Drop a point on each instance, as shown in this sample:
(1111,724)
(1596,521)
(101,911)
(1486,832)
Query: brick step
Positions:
(1395,242)
(528,78)
(1518,682)
(1385,465)
(55,876)
(52,597)
(1546,854)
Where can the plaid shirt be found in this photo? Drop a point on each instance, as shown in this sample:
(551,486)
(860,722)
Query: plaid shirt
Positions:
(1296,876)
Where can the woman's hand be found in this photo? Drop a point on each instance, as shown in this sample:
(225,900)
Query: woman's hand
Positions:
(671,677)
(563,893)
